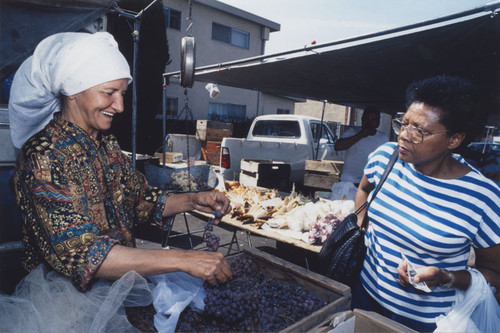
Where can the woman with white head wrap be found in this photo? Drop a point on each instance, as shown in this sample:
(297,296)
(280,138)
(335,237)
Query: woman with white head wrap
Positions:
(79,195)
(64,64)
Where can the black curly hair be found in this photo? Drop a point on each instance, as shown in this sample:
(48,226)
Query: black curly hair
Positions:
(458,99)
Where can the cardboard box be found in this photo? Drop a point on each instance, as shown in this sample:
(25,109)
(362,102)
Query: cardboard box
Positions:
(359,320)
(335,294)
(265,173)
(322,174)
(210,152)
(210,130)
(169,157)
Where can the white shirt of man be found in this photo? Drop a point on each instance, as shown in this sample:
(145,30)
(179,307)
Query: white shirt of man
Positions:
(357,155)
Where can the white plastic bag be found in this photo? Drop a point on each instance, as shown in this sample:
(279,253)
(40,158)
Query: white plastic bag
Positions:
(475,309)
(343,191)
(173,292)
(212,89)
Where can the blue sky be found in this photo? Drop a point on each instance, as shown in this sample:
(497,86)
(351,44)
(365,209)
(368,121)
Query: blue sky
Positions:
(323,21)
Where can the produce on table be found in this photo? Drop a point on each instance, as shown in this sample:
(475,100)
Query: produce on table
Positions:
(183,181)
(296,212)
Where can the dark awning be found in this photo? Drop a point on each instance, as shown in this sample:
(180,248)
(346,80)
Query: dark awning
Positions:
(24,23)
(376,69)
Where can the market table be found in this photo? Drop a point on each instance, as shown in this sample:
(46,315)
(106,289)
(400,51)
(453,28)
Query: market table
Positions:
(280,235)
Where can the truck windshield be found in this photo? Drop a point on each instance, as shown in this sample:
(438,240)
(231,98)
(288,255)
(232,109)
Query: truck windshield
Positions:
(282,128)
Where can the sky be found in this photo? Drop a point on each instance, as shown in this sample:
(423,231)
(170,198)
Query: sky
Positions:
(323,21)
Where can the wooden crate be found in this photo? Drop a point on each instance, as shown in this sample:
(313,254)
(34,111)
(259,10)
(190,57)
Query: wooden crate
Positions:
(322,174)
(265,173)
(335,294)
(364,321)
(210,152)
(169,157)
(210,130)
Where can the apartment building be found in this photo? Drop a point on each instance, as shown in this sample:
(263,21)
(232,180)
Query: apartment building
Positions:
(222,33)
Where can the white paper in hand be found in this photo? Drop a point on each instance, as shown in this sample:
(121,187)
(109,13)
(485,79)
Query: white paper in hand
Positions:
(412,272)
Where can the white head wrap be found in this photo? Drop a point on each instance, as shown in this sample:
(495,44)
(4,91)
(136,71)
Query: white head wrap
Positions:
(62,64)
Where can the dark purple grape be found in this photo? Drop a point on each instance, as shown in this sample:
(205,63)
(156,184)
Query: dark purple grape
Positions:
(210,239)
(250,302)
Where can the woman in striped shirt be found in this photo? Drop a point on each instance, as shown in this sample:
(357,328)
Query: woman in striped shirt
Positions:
(432,208)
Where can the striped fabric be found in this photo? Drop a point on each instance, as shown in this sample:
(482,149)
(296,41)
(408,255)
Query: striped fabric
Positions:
(433,222)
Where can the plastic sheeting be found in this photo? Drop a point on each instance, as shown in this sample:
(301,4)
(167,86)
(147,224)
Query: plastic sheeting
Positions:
(24,23)
(48,302)
(376,69)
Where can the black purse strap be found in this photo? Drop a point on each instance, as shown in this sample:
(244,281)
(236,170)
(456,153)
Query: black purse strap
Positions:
(387,170)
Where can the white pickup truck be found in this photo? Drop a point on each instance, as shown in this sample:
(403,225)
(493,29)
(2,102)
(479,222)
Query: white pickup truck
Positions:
(291,139)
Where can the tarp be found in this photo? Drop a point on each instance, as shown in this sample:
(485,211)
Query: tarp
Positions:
(24,23)
(376,69)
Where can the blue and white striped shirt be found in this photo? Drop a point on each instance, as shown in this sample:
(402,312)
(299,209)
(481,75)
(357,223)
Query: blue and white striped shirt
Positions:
(433,222)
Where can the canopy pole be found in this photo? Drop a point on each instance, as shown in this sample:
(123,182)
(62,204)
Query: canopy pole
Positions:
(320,133)
(164,118)
(137,27)
(135,34)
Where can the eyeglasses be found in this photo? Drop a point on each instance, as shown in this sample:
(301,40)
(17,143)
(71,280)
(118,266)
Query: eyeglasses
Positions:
(415,134)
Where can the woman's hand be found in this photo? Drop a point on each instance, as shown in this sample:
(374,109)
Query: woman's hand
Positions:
(431,275)
(206,202)
(434,276)
(212,201)
(212,267)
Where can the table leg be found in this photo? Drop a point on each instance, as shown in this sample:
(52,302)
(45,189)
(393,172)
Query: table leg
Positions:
(234,240)
(188,232)
(166,228)
(249,238)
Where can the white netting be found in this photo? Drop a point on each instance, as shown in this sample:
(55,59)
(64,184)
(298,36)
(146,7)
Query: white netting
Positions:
(48,302)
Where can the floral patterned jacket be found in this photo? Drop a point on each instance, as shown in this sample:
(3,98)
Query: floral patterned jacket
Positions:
(78,196)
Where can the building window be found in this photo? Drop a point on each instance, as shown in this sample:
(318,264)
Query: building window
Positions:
(172,18)
(283,111)
(231,113)
(231,36)
(172,108)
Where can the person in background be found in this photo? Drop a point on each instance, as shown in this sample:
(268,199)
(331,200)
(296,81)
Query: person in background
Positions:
(357,143)
(433,207)
(78,193)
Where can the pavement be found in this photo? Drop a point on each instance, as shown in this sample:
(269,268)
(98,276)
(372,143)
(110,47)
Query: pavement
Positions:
(232,240)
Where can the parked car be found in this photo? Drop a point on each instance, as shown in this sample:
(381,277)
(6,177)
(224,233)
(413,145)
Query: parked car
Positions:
(290,139)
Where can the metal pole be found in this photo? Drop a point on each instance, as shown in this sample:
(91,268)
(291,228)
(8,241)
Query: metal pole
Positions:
(320,133)
(137,27)
(164,114)
(135,34)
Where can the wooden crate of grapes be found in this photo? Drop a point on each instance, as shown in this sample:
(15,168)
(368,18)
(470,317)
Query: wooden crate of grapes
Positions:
(267,294)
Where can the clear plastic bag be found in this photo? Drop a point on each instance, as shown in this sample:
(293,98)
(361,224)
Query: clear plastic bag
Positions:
(475,309)
(343,191)
(172,293)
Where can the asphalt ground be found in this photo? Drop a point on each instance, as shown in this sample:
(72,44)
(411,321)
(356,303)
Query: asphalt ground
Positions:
(232,240)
